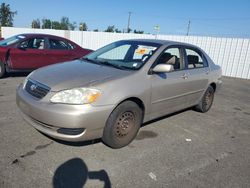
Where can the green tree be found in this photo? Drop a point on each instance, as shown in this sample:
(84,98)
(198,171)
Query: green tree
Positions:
(138,32)
(36,23)
(83,26)
(95,30)
(110,29)
(56,25)
(117,30)
(72,26)
(46,23)
(66,24)
(6,15)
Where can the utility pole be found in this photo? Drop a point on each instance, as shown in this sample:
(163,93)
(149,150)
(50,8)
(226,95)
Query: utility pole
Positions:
(128,28)
(188,27)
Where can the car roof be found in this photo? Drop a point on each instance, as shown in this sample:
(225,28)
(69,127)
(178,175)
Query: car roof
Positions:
(45,35)
(40,35)
(164,42)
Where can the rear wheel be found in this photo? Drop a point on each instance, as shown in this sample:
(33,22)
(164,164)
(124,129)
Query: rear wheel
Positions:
(206,101)
(2,69)
(122,125)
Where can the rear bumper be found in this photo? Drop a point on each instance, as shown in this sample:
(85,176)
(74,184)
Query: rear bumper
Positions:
(60,121)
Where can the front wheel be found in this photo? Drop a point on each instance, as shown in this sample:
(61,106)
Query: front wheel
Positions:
(206,101)
(2,69)
(122,125)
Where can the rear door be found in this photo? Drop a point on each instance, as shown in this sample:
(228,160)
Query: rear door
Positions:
(59,51)
(29,54)
(197,72)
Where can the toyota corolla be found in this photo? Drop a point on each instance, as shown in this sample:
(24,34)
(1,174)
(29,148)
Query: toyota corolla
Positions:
(111,92)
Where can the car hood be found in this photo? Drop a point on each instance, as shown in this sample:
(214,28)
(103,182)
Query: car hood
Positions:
(76,73)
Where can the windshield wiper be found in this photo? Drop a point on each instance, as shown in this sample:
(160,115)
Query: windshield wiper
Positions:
(112,65)
(90,60)
(96,61)
(128,68)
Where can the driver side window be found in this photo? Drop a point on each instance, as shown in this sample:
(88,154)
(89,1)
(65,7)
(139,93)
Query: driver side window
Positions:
(171,56)
(33,43)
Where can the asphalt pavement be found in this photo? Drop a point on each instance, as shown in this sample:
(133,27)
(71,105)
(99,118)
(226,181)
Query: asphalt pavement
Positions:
(187,149)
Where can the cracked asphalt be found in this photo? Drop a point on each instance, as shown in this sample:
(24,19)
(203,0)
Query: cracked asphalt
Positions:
(187,149)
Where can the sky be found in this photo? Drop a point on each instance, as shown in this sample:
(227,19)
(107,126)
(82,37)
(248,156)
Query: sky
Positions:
(219,18)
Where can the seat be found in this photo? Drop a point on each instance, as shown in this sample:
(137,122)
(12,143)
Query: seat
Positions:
(164,58)
(193,60)
(173,61)
(41,45)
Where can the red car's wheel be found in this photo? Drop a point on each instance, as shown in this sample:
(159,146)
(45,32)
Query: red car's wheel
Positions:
(2,69)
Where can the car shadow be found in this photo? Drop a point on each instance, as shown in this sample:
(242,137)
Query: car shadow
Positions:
(16,74)
(75,173)
(165,116)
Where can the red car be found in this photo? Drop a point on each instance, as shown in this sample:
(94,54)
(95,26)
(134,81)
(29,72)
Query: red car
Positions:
(26,52)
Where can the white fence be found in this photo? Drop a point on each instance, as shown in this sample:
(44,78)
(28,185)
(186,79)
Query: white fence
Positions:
(232,54)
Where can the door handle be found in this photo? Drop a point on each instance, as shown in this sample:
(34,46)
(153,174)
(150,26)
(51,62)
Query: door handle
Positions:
(185,76)
(207,71)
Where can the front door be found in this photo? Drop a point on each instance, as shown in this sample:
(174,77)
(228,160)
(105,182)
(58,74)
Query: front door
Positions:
(29,54)
(170,90)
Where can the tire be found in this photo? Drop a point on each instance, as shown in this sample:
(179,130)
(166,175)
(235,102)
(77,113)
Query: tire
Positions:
(122,125)
(2,69)
(206,101)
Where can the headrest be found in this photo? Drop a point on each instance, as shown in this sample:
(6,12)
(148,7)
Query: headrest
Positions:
(164,57)
(172,60)
(193,59)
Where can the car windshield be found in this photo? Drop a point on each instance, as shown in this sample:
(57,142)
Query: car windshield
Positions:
(11,40)
(130,55)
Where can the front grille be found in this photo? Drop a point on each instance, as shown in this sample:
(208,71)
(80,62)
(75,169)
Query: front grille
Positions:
(36,89)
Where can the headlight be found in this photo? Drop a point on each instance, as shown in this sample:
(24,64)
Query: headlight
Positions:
(76,96)
(25,82)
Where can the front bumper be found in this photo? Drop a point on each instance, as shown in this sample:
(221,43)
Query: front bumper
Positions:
(60,121)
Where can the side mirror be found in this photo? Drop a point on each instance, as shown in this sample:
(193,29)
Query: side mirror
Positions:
(163,68)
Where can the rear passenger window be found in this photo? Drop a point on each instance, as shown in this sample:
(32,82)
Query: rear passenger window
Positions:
(171,56)
(195,59)
(60,45)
